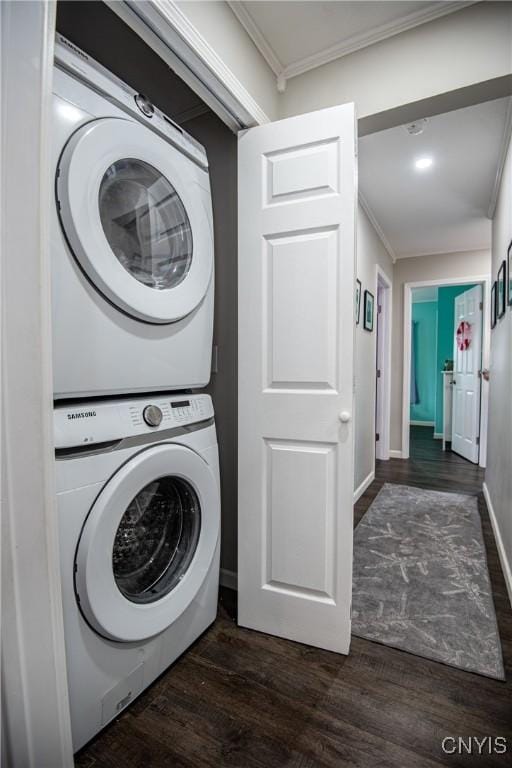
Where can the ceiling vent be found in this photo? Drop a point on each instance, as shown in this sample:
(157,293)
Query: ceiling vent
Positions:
(414,129)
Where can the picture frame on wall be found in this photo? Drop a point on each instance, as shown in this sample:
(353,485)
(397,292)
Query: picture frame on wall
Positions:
(501,301)
(493,303)
(358,300)
(369,302)
(509,273)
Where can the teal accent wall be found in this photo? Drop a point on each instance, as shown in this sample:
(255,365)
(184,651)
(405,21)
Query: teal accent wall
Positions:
(445,336)
(424,313)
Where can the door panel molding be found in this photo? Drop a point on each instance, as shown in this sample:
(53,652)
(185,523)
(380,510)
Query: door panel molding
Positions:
(297,207)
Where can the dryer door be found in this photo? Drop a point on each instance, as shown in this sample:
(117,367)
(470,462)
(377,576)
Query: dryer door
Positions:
(136,219)
(147,543)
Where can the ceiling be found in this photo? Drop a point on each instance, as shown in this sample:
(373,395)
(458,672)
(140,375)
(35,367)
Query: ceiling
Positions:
(297,36)
(445,207)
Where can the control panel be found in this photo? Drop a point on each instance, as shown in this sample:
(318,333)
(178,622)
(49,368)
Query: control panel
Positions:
(103,421)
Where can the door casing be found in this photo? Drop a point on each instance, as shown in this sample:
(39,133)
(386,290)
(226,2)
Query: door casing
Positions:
(383,388)
(406,377)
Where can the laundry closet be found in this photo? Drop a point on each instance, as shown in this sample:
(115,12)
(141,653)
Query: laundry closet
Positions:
(127,128)
(92,26)
(140,161)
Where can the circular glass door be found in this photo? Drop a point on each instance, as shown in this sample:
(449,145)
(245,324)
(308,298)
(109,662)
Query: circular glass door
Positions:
(146,224)
(148,543)
(137,216)
(156,539)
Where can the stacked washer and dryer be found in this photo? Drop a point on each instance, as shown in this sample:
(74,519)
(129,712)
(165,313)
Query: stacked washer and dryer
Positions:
(136,452)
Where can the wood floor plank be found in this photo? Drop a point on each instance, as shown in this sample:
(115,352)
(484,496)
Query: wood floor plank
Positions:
(243,699)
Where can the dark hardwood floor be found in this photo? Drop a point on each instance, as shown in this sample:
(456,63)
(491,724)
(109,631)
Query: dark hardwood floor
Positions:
(243,699)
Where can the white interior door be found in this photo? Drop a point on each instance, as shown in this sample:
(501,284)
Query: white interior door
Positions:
(297,198)
(466,367)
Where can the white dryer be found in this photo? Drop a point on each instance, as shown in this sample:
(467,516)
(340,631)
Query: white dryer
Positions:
(139,522)
(132,240)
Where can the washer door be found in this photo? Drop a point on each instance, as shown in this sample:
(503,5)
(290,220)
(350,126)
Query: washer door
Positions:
(147,543)
(135,219)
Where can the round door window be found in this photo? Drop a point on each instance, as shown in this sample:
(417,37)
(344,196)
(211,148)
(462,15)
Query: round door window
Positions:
(156,539)
(145,223)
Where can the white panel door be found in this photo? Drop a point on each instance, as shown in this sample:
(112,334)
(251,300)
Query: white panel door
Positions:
(466,375)
(297,198)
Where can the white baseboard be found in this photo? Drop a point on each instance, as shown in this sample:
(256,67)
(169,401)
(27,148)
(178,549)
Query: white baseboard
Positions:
(364,485)
(438,435)
(229,579)
(395,454)
(505,565)
(422,423)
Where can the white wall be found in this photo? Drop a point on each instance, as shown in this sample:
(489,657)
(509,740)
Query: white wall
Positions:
(370,252)
(498,475)
(218,25)
(455,51)
(439,267)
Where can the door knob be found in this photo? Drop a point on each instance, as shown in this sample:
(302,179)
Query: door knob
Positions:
(344,417)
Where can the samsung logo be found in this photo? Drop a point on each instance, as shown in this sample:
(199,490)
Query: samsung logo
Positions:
(73,48)
(81,414)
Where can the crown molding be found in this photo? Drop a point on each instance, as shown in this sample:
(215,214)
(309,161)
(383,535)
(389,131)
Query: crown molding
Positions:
(505,140)
(350,45)
(444,252)
(378,229)
(375,35)
(256,35)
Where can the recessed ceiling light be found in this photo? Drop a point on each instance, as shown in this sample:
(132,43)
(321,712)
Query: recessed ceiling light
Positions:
(423,162)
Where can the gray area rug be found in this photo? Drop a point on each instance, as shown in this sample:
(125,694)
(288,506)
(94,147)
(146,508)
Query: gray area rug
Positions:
(421,582)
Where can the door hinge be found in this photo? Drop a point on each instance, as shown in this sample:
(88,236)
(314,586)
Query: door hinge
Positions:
(478,441)
(481,305)
(377,437)
(379,309)
(378,373)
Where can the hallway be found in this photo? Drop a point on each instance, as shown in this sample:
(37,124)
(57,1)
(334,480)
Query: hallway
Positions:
(241,698)
(431,467)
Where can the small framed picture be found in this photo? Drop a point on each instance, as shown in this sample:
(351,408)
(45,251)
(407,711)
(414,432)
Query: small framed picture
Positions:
(368,311)
(358,301)
(509,273)
(501,296)
(493,304)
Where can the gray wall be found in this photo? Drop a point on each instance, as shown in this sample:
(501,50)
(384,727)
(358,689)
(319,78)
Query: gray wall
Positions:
(370,252)
(498,475)
(221,146)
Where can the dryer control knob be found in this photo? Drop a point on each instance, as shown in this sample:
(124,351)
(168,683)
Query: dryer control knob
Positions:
(144,105)
(152,415)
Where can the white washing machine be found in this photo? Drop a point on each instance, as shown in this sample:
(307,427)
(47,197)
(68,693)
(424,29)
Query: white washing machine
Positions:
(132,240)
(139,522)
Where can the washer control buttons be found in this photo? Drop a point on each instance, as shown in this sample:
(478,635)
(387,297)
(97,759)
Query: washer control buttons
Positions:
(144,105)
(152,415)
